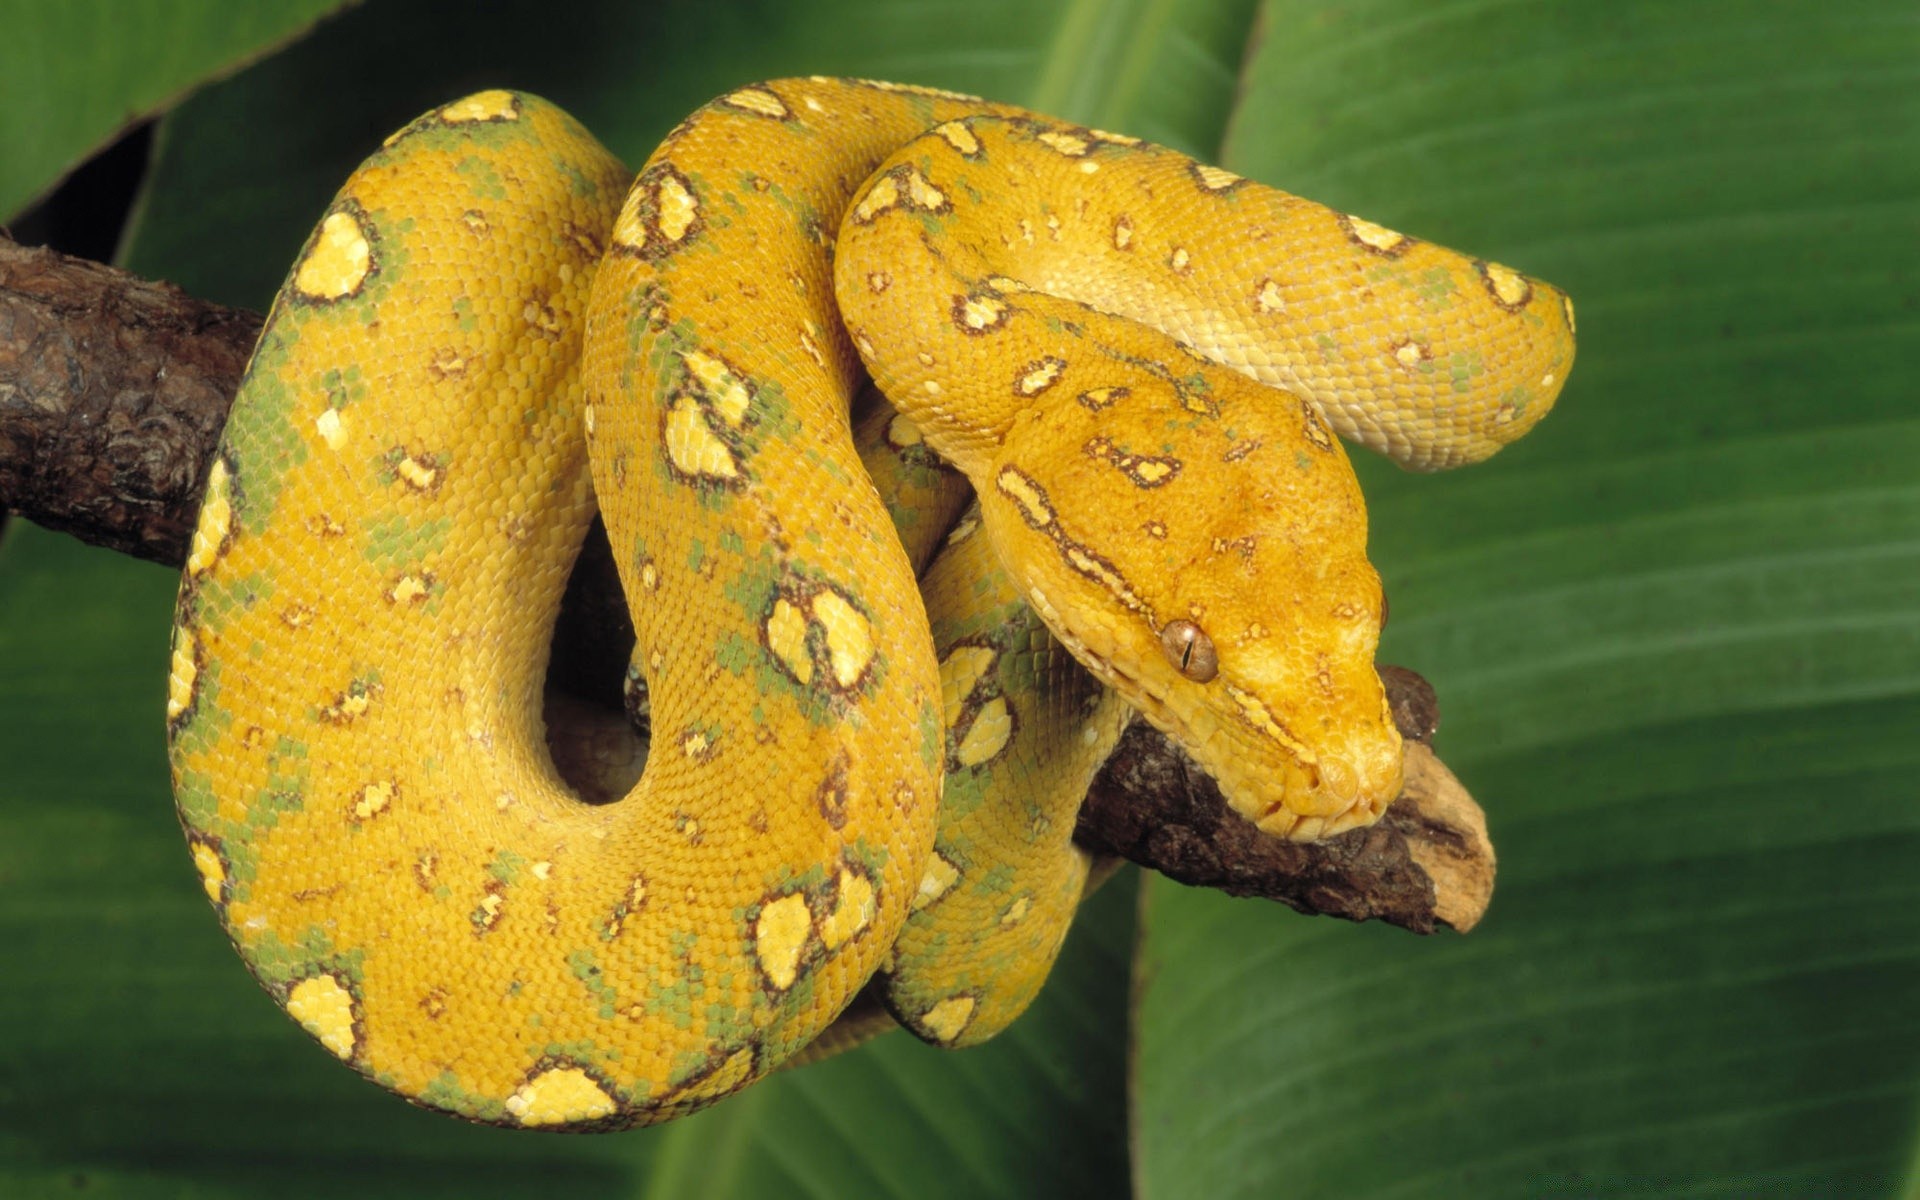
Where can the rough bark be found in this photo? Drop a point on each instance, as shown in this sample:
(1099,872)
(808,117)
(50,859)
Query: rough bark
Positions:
(113,390)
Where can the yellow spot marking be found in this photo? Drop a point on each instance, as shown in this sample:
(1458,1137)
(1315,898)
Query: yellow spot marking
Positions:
(542,870)
(558,1096)
(921,193)
(987,736)
(636,896)
(852,913)
(213,872)
(959,137)
(1179,260)
(1410,354)
(216,519)
(693,447)
(849,637)
(542,317)
(339,261)
(1041,376)
(1316,431)
(1268,298)
(948,1019)
(416,474)
(884,194)
(331,427)
(1261,719)
(1118,139)
(1152,470)
(677,208)
(326,1009)
(494,105)
(879,281)
(1023,492)
(902,432)
(1017,911)
(932,387)
(1002,283)
(447,363)
(983,312)
(787,638)
(649,576)
(1508,284)
(730,397)
(1215,179)
(758,100)
(347,706)
(1066,143)
(940,877)
(1122,233)
(373,800)
(695,744)
(1088,166)
(586,417)
(629,229)
(1098,571)
(779,935)
(960,671)
(1379,237)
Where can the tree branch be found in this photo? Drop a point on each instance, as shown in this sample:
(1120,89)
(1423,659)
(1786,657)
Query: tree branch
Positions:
(113,390)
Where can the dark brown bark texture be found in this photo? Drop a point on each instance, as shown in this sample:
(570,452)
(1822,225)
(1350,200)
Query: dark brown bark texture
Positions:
(113,390)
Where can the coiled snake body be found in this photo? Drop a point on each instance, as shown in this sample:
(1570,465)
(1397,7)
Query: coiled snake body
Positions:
(355,697)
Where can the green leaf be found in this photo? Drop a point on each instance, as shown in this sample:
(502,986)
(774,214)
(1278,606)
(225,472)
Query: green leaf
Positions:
(1676,633)
(74,72)
(248,166)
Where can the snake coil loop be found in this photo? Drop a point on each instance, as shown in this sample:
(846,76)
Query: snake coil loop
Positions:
(867,748)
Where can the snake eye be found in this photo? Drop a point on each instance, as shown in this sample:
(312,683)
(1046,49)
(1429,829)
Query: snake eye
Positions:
(1190,650)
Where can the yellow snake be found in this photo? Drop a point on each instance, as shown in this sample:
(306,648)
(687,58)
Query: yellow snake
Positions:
(1137,360)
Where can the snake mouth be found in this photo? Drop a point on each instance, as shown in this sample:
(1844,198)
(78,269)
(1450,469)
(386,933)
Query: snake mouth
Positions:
(1295,794)
(1302,798)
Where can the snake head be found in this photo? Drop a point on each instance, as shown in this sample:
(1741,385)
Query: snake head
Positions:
(1208,561)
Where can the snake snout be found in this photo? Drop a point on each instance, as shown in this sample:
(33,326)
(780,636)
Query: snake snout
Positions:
(1334,792)
(1339,780)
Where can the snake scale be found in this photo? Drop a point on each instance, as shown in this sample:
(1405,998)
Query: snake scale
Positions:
(1138,363)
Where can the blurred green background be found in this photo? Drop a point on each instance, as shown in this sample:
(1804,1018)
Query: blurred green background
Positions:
(1676,631)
